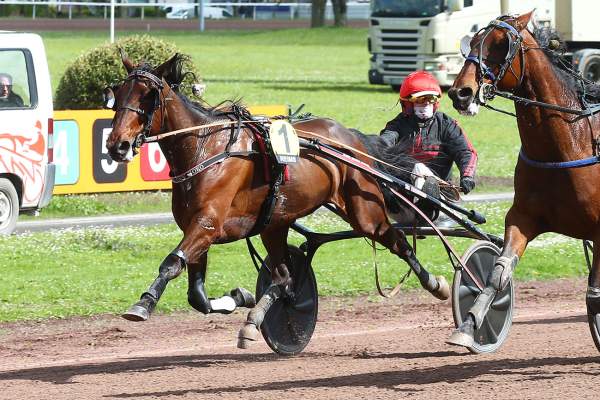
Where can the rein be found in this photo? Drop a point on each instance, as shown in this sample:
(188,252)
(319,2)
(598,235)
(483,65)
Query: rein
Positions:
(156,84)
(222,156)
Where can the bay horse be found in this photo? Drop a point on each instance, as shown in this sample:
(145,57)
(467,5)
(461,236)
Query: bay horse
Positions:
(557,173)
(220,187)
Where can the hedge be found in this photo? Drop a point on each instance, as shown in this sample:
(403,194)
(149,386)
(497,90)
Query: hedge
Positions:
(80,88)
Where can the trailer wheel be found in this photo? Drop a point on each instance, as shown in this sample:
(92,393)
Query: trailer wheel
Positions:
(9,207)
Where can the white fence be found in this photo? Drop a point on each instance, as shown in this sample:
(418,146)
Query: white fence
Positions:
(255,10)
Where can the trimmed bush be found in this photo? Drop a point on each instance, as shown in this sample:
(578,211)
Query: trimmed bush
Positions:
(80,88)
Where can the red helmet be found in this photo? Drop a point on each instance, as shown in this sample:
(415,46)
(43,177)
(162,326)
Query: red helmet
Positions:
(419,83)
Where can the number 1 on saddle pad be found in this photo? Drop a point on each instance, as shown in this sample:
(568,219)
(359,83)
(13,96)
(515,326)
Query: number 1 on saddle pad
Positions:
(284,142)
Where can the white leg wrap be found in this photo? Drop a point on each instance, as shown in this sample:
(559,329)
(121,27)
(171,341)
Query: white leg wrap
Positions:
(502,273)
(592,292)
(222,304)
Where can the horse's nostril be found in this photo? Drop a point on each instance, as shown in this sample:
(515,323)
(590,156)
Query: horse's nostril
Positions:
(123,147)
(465,93)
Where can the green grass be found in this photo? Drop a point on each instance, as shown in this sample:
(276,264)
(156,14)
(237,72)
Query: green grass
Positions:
(65,206)
(95,271)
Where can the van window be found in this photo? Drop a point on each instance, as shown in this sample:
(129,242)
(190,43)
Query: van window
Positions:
(16,74)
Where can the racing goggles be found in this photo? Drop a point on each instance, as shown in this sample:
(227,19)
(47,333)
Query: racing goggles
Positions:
(426,99)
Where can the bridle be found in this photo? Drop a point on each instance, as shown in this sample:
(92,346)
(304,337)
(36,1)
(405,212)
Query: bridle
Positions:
(155,85)
(488,90)
(515,46)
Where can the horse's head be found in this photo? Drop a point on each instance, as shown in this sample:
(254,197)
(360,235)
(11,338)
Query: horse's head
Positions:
(139,105)
(495,58)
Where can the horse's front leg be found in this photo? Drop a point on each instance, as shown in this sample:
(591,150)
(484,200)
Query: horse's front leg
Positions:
(519,231)
(169,269)
(275,243)
(197,298)
(191,252)
(195,243)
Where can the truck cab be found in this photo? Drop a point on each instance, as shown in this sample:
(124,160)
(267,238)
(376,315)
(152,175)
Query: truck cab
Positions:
(411,35)
(26,127)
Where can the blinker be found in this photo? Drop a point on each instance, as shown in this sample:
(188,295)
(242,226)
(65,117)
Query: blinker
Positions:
(108,98)
(465,46)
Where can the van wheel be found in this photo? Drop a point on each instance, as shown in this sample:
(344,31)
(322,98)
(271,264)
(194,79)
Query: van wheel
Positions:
(9,207)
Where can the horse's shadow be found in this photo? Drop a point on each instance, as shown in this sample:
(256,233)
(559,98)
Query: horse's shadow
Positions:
(521,369)
(524,370)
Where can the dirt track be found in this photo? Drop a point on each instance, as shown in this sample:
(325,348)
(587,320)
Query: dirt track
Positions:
(361,349)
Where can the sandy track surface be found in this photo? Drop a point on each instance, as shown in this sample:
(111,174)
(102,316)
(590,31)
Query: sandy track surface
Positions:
(362,348)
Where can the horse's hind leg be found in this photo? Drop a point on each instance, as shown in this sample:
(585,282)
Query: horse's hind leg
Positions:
(275,241)
(369,218)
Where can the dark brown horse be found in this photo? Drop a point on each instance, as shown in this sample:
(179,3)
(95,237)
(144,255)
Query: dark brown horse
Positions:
(222,201)
(557,174)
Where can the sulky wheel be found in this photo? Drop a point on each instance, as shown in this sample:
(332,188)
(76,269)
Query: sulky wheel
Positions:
(480,259)
(592,300)
(594,322)
(290,322)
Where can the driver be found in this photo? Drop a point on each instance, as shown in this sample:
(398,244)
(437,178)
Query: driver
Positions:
(430,136)
(7,97)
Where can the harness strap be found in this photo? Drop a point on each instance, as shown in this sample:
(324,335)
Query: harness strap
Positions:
(588,111)
(559,164)
(190,173)
(268,205)
(484,68)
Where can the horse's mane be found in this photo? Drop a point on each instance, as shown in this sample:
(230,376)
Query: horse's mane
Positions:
(175,77)
(396,155)
(543,35)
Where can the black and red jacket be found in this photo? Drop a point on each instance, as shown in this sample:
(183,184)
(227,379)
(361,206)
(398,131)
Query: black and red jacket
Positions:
(436,142)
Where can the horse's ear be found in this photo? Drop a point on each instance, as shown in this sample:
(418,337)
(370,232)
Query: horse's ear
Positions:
(165,68)
(126,61)
(523,20)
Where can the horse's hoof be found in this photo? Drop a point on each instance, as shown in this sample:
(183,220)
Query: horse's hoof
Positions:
(243,298)
(443,290)
(459,338)
(249,333)
(136,313)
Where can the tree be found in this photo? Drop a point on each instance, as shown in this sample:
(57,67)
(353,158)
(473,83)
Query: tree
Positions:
(318,13)
(340,12)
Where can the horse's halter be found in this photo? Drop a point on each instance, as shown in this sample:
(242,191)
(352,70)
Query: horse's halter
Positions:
(515,46)
(155,85)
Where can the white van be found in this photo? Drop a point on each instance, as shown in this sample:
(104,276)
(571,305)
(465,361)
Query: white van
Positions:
(26,127)
(186,11)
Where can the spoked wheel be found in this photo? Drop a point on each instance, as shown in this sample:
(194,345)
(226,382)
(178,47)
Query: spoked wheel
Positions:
(594,321)
(480,259)
(592,303)
(290,322)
